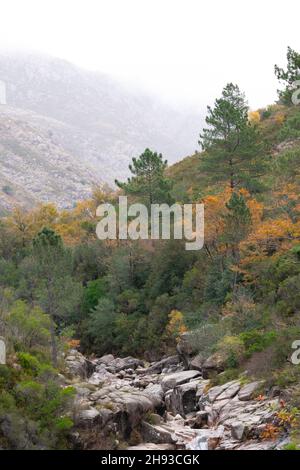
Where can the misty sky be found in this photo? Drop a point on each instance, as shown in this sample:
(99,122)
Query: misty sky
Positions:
(183,50)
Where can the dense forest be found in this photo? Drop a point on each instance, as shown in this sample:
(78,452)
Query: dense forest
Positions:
(238,297)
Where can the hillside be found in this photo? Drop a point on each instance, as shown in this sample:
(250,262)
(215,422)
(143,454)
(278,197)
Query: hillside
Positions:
(96,121)
(35,167)
(114,338)
(279,130)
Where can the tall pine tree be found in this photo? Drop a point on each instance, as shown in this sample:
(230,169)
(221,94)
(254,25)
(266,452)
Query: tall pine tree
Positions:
(231,143)
(148,181)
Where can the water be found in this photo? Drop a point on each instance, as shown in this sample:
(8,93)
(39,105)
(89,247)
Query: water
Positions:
(199,443)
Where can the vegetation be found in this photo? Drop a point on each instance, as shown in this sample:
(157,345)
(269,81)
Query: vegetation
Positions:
(238,296)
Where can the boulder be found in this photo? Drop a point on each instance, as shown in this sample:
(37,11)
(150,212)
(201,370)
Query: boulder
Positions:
(101,376)
(238,430)
(247,392)
(197,362)
(182,399)
(128,404)
(215,363)
(107,359)
(125,363)
(187,347)
(198,420)
(158,367)
(156,434)
(89,417)
(76,364)
(173,380)
(230,391)
(214,392)
(156,394)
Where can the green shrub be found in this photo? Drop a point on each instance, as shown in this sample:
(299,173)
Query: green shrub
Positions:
(7,402)
(291,128)
(64,424)
(255,340)
(291,446)
(29,363)
(232,349)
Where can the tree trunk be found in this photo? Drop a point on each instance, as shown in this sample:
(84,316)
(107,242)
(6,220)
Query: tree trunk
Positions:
(231,175)
(53,343)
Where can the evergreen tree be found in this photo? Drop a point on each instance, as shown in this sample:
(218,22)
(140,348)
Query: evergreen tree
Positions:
(237,219)
(288,76)
(58,294)
(148,181)
(231,143)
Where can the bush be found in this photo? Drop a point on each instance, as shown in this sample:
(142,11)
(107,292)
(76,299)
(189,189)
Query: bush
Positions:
(255,340)
(93,292)
(29,363)
(205,338)
(291,128)
(232,349)
(29,326)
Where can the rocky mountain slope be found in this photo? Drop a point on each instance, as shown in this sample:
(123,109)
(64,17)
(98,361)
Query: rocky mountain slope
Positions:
(35,167)
(93,120)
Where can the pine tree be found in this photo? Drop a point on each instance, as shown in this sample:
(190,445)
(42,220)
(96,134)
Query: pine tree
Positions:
(288,76)
(58,294)
(237,219)
(231,143)
(148,181)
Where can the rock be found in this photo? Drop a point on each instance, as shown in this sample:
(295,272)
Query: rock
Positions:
(238,430)
(254,445)
(88,417)
(107,359)
(125,363)
(76,364)
(128,404)
(155,392)
(214,363)
(197,362)
(156,434)
(201,388)
(214,392)
(172,380)
(230,391)
(158,367)
(187,347)
(182,399)
(154,418)
(100,377)
(113,402)
(247,391)
(82,390)
(151,446)
(207,439)
(198,420)
(106,416)
(178,417)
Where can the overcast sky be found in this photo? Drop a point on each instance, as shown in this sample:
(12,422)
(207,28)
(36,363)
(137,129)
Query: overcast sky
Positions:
(183,50)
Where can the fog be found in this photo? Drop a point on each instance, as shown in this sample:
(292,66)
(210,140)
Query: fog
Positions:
(182,50)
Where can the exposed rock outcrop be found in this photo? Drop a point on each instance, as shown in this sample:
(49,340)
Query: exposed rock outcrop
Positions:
(167,409)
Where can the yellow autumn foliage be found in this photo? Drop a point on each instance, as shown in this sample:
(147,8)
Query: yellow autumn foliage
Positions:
(175,326)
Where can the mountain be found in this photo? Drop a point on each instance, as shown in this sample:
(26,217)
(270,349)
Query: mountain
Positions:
(34,167)
(82,119)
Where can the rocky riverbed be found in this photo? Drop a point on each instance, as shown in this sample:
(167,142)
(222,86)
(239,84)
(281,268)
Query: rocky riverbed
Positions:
(124,403)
